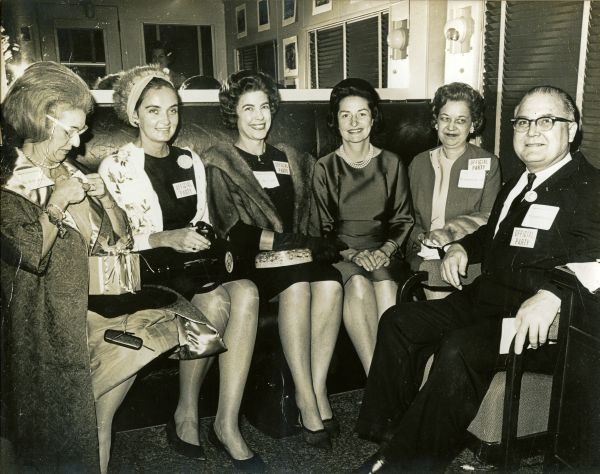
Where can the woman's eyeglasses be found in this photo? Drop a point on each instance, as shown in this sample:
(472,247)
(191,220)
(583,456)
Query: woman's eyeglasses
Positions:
(71,132)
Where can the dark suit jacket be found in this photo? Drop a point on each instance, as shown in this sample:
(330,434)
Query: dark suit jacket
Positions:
(512,274)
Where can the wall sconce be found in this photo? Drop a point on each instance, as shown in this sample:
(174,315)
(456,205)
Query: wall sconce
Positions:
(398,39)
(458,32)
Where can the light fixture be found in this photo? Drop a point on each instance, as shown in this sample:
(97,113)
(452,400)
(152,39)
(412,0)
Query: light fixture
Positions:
(398,39)
(89,8)
(458,31)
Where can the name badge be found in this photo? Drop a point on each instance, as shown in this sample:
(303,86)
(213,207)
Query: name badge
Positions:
(540,216)
(267,179)
(522,237)
(480,164)
(281,167)
(33,178)
(471,179)
(184,189)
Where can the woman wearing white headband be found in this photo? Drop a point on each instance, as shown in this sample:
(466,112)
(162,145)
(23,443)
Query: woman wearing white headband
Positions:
(162,188)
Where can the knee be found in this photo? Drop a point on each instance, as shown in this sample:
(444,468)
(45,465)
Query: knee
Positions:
(451,349)
(243,291)
(298,291)
(331,288)
(358,287)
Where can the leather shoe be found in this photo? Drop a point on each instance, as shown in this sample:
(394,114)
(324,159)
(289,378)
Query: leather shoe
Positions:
(332,426)
(376,463)
(252,464)
(318,438)
(182,447)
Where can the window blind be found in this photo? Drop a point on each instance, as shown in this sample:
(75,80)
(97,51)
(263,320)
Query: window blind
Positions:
(541,47)
(247,58)
(362,50)
(590,112)
(330,51)
(490,71)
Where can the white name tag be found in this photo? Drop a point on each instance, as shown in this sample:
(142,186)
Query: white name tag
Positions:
(267,179)
(522,237)
(184,189)
(540,216)
(33,178)
(281,167)
(480,164)
(472,179)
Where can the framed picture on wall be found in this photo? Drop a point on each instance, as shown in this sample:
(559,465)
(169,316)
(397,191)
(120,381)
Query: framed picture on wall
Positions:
(288,7)
(290,56)
(262,10)
(321,6)
(240,20)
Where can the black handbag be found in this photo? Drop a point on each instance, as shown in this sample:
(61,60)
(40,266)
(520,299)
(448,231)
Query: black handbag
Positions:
(210,267)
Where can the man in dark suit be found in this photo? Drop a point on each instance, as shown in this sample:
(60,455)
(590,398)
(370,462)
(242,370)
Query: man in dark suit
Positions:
(548,216)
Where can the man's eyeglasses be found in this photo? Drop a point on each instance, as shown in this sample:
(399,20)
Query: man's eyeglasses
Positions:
(70,131)
(543,124)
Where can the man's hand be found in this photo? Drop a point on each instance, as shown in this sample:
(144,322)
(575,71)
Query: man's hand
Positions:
(535,317)
(454,265)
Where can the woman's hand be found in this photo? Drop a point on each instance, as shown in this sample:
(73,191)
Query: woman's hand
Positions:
(182,240)
(67,190)
(381,258)
(96,186)
(439,237)
(366,260)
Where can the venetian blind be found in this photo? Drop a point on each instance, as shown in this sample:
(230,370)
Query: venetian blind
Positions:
(591,91)
(541,47)
(329,54)
(259,57)
(362,47)
(490,71)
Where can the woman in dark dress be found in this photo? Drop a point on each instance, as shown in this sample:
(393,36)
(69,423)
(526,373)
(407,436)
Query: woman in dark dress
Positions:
(162,188)
(260,197)
(363,197)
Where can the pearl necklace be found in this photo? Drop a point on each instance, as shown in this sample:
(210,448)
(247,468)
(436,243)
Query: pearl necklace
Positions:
(357,164)
(42,165)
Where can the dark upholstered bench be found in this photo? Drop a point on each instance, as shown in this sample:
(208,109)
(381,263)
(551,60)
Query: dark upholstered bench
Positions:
(269,397)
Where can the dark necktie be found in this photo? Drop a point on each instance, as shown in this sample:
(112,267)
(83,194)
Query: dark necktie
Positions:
(517,200)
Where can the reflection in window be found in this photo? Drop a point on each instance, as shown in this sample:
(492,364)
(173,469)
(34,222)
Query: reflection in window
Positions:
(185,49)
(259,57)
(361,46)
(82,50)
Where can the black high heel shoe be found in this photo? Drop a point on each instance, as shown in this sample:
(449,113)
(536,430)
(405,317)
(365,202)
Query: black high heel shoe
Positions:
(318,438)
(253,464)
(332,426)
(182,447)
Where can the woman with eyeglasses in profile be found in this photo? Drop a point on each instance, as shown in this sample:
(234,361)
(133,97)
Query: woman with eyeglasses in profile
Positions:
(363,197)
(454,185)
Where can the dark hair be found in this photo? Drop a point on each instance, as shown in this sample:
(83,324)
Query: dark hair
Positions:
(165,46)
(564,97)
(43,88)
(460,92)
(240,83)
(107,82)
(126,82)
(200,82)
(354,86)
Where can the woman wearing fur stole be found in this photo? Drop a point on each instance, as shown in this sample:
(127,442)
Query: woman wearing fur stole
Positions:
(260,198)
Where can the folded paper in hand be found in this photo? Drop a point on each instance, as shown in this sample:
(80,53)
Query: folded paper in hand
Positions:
(427,253)
(588,274)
